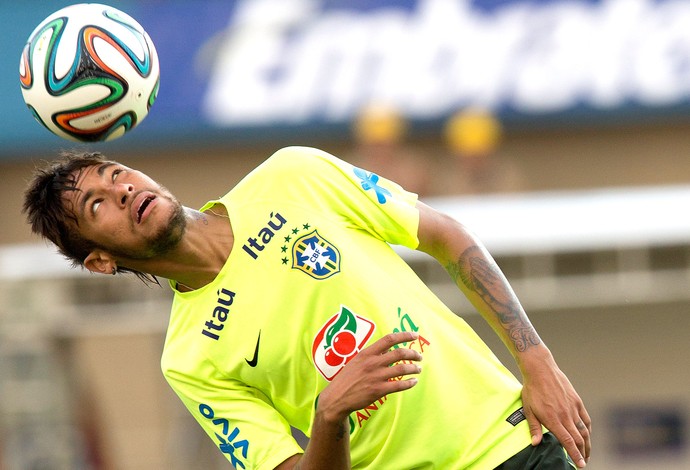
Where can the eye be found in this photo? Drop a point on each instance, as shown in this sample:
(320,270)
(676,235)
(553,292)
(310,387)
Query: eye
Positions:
(95,205)
(116,173)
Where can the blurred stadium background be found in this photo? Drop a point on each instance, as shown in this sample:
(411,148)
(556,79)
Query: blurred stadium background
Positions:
(557,129)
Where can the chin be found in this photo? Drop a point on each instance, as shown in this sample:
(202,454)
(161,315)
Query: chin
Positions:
(170,234)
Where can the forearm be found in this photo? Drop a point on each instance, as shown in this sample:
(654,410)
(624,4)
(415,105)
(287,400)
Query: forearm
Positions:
(329,446)
(481,280)
(478,276)
(549,398)
(365,379)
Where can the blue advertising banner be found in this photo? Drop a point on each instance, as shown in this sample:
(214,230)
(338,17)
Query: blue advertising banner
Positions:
(236,69)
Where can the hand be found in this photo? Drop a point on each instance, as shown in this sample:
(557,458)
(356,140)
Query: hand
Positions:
(368,377)
(550,399)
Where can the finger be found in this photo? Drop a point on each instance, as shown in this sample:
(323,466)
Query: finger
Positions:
(584,426)
(535,428)
(391,339)
(586,419)
(400,354)
(391,380)
(584,432)
(402,369)
(573,443)
(394,386)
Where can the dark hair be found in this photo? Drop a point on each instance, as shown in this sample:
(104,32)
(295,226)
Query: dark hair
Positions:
(49,216)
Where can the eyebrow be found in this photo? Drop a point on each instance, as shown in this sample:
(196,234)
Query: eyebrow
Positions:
(101,170)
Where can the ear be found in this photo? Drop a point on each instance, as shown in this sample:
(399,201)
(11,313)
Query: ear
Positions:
(100,262)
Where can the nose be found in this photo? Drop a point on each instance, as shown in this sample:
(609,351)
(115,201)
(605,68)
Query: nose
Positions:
(122,192)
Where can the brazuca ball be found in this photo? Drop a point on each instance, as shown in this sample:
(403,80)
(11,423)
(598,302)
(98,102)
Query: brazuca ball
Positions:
(89,73)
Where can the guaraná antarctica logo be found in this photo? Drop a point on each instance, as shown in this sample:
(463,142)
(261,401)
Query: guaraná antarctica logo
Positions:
(339,341)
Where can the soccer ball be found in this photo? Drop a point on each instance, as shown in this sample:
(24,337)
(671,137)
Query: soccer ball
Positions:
(89,73)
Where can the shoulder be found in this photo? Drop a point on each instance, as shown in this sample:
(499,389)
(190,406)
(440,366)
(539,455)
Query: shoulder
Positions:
(301,164)
(303,157)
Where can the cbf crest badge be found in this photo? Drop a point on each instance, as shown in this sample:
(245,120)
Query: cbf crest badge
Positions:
(316,256)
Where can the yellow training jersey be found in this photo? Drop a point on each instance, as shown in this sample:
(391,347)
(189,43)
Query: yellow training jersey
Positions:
(312,280)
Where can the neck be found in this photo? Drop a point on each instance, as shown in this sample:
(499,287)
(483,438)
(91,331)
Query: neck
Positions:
(200,255)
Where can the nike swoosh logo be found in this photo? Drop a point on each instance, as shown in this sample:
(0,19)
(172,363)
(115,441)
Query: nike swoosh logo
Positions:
(254,360)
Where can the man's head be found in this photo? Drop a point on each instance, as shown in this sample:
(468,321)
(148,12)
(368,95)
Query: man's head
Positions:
(101,214)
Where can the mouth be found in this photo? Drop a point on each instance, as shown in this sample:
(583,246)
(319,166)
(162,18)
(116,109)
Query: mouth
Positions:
(143,205)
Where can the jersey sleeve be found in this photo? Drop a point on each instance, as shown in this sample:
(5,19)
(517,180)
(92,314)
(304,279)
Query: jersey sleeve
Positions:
(239,419)
(361,198)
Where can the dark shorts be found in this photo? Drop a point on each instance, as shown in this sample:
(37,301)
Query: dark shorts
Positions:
(548,455)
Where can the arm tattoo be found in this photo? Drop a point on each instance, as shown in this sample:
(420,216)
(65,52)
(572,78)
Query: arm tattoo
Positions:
(484,278)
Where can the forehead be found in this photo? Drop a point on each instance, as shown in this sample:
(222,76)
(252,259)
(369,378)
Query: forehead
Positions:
(85,174)
(82,181)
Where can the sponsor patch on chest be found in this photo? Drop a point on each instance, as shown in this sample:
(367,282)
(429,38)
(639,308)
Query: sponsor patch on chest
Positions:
(339,341)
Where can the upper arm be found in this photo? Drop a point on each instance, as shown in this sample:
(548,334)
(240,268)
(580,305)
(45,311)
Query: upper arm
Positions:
(440,235)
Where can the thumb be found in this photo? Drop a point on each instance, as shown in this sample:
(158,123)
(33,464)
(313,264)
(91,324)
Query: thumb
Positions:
(535,428)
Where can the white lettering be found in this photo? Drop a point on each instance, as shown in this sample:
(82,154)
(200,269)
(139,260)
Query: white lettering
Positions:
(287,61)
